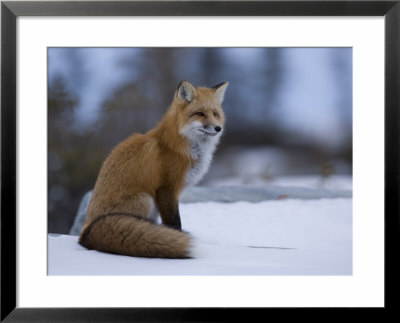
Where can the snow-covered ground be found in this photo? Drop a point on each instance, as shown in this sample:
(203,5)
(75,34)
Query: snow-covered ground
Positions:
(275,237)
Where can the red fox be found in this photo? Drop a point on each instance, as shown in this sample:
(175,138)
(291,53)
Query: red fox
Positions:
(144,175)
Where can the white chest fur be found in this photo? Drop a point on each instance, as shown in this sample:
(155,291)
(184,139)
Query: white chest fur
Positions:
(201,151)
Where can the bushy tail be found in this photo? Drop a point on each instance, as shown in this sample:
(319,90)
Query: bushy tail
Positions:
(134,236)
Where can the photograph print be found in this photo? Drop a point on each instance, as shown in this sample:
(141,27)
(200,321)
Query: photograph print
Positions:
(200,161)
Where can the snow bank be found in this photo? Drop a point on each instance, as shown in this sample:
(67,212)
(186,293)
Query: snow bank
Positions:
(282,237)
(331,183)
(296,188)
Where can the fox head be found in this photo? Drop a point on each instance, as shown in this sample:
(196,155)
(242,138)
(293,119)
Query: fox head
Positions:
(199,109)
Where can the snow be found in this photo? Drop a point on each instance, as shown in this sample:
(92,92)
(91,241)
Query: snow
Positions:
(333,182)
(238,188)
(274,237)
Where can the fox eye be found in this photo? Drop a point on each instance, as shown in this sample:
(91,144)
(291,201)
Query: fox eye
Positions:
(216,114)
(200,114)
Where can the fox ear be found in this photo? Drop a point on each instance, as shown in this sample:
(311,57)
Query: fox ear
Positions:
(186,91)
(219,91)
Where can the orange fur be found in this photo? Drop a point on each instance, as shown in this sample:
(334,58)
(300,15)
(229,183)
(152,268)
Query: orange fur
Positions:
(147,171)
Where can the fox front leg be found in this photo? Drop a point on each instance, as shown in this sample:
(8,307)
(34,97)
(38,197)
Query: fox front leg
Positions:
(167,205)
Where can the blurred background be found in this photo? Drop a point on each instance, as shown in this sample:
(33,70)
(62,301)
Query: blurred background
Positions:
(288,111)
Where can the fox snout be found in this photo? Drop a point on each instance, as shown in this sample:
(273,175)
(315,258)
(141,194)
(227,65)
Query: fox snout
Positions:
(211,128)
(197,128)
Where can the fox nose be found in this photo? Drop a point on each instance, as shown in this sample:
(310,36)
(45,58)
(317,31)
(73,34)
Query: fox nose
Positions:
(217,128)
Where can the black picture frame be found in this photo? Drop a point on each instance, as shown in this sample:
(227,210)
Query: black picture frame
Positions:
(11,10)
